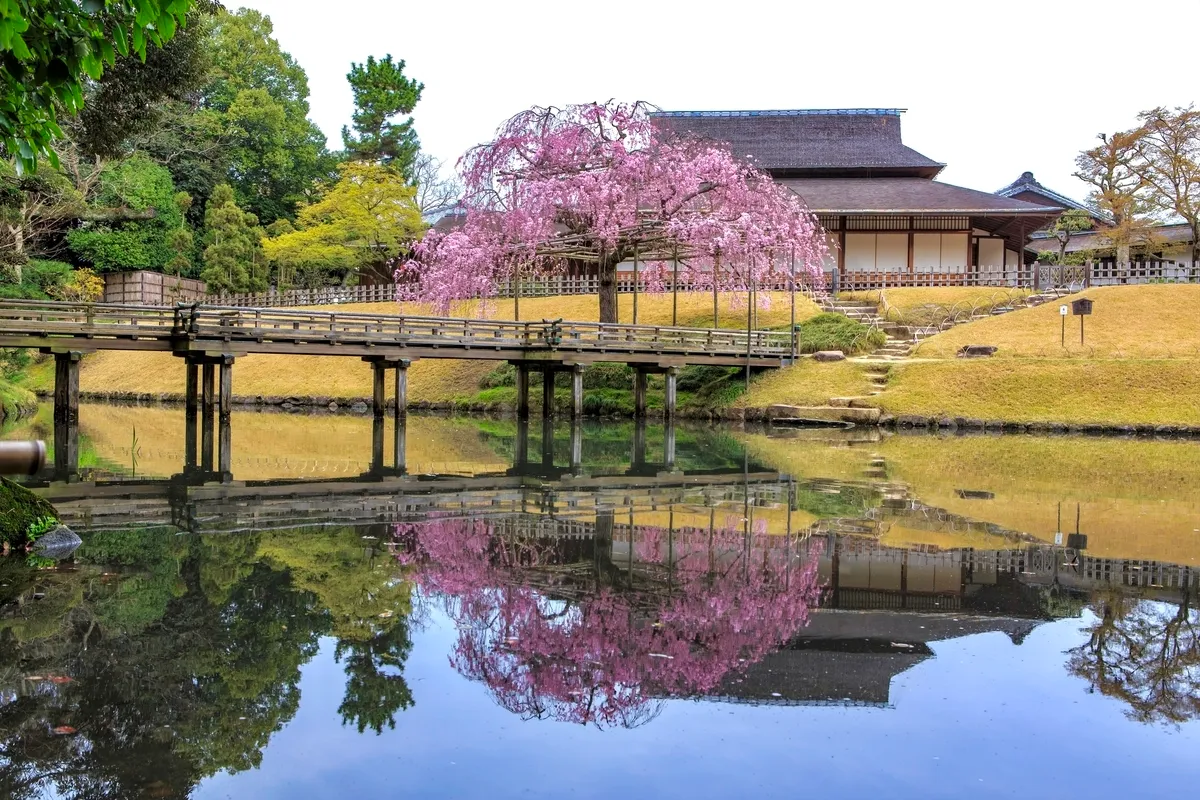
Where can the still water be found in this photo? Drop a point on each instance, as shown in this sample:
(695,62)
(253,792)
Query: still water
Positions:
(700,612)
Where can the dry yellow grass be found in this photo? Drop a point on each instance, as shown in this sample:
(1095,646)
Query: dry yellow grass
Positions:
(1136,499)
(807,383)
(810,459)
(429,380)
(1155,321)
(1164,392)
(935,303)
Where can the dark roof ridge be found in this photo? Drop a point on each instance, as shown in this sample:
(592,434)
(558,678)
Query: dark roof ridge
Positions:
(1028,182)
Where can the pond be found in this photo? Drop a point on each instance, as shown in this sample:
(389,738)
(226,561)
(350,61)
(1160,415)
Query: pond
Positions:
(609,609)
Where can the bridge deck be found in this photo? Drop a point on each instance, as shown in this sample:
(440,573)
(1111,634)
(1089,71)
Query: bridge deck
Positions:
(218,330)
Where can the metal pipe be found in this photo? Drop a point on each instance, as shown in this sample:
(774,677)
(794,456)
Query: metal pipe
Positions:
(22,458)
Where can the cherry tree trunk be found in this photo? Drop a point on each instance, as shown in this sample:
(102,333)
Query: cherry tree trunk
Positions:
(607,270)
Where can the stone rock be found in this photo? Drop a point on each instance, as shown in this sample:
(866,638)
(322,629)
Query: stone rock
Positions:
(829,355)
(912,421)
(976,351)
(57,543)
(332,406)
(360,407)
(970,424)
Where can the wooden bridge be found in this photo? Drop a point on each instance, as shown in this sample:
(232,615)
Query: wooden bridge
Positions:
(211,338)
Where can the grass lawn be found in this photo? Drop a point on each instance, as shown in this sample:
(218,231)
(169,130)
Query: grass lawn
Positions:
(1157,392)
(15,400)
(807,383)
(925,306)
(1154,321)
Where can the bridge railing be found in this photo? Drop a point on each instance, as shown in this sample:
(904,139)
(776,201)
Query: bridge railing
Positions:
(52,319)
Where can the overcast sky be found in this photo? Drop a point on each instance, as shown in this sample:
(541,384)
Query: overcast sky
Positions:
(992,89)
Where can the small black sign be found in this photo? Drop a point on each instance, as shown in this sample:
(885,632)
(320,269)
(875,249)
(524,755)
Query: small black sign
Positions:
(1081,307)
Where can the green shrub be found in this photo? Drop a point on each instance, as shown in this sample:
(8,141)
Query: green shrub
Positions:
(693,378)
(503,375)
(608,376)
(831,331)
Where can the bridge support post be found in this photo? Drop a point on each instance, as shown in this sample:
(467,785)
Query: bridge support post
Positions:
(224,413)
(639,442)
(639,393)
(669,401)
(377,374)
(669,446)
(521,448)
(576,392)
(547,393)
(577,446)
(401,409)
(207,375)
(191,406)
(377,465)
(66,415)
(548,438)
(522,391)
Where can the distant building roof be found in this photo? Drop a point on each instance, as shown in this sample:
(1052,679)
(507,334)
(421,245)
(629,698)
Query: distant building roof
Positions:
(906,196)
(1027,188)
(848,141)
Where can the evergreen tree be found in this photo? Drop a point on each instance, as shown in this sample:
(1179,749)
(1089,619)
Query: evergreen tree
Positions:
(232,253)
(381,92)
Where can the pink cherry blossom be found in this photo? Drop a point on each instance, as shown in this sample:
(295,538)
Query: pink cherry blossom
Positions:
(605,179)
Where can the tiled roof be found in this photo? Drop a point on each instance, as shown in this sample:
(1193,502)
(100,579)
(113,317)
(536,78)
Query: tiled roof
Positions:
(798,141)
(1027,183)
(905,196)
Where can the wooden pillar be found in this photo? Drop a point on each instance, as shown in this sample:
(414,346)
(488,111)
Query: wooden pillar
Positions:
(639,393)
(635,285)
(66,415)
(577,445)
(521,447)
(377,386)
(225,411)
(522,391)
(191,407)
(207,390)
(548,439)
(675,287)
(669,402)
(639,442)
(401,409)
(377,444)
(576,392)
(669,445)
(547,393)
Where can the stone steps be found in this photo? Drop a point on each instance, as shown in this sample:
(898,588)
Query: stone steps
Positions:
(830,413)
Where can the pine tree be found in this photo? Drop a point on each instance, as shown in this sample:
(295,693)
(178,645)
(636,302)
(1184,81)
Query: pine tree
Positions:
(233,259)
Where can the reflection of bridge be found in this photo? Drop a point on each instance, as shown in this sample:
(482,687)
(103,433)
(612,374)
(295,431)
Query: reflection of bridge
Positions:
(211,338)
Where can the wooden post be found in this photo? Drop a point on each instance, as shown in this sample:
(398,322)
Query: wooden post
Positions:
(639,442)
(669,445)
(577,446)
(190,410)
(669,403)
(793,293)
(400,443)
(548,438)
(547,393)
(675,288)
(749,312)
(225,410)
(401,409)
(207,391)
(576,392)
(639,393)
(635,285)
(377,443)
(66,415)
(521,448)
(522,391)
(377,404)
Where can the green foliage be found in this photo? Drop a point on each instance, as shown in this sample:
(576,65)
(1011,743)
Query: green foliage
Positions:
(23,515)
(381,92)
(366,220)
(233,260)
(39,279)
(50,47)
(503,375)
(134,216)
(832,331)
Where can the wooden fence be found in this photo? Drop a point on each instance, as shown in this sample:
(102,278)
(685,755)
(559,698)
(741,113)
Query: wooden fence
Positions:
(151,288)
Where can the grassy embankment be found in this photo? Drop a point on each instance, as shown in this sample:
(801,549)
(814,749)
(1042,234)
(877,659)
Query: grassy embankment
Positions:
(430,381)
(1140,364)
(15,401)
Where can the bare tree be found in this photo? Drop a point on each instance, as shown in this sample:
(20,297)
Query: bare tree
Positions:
(435,188)
(1166,158)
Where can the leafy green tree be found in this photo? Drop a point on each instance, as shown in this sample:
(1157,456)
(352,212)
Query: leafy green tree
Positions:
(34,209)
(256,105)
(365,221)
(49,46)
(131,222)
(381,93)
(233,246)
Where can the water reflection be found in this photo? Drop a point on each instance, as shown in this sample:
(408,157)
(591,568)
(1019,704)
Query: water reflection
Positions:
(596,586)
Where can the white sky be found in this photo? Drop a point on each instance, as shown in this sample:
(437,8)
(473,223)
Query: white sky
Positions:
(992,89)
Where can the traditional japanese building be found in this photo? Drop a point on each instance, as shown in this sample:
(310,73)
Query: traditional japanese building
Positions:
(886,217)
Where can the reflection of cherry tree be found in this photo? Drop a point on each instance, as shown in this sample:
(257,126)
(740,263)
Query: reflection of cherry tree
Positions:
(1145,653)
(591,641)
